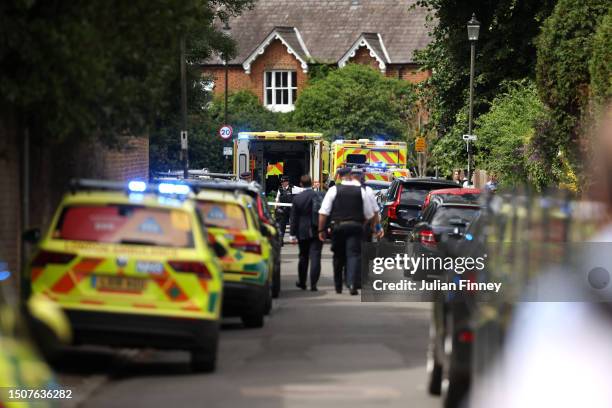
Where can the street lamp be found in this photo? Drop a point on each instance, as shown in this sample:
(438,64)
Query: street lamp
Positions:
(473,29)
(226,29)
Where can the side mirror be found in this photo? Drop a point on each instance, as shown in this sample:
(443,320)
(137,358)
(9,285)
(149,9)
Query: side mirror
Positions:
(219,249)
(31,236)
(264,230)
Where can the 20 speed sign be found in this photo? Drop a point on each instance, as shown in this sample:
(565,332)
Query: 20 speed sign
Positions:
(226,132)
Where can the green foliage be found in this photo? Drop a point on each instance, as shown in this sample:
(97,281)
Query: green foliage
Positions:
(506,130)
(505,51)
(600,65)
(245,113)
(101,68)
(356,102)
(565,47)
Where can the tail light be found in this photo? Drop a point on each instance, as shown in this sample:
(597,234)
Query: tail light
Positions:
(43,258)
(392,211)
(197,268)
(252,247)
(466,336)
(428,238)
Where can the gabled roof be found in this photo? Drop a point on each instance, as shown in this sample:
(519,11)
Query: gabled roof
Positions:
(374,43)
(329,29)
(290,37)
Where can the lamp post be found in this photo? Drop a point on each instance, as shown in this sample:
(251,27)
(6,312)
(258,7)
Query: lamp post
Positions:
(473,29)
(184,135)
(226,29)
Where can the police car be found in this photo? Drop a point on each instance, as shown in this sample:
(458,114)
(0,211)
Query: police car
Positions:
(248,265)
(131,265)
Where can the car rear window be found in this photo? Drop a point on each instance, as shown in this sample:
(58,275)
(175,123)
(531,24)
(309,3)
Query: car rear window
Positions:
(413,196)
(447,216)
(460,198)
(125,224)
(223,215)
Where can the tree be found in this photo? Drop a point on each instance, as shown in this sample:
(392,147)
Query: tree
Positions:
(600,65)
(356,102)
(245,113)
(72,70)
(565,48)
(505,51)
(506,130)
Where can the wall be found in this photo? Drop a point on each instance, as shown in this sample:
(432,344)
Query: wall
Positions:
(51,168)
(274,57)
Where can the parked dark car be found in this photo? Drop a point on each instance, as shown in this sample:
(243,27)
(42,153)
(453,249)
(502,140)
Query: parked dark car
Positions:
(404,202)
(449,355)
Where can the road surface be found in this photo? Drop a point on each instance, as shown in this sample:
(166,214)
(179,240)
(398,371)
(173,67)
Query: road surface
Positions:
(317,349)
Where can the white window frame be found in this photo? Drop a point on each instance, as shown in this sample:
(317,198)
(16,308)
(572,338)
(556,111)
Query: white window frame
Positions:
(273,105)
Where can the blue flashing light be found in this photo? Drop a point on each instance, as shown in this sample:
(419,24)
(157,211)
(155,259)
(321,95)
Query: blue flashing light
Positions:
(137,186)
(340,140)
(169,188)
(469,237)
(4,272)
(380,143)
(242,136)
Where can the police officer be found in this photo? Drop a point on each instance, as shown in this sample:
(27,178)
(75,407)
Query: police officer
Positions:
(349,208)
(284,196)
(357,174)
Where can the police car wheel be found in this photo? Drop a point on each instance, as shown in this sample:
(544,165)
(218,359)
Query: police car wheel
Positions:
(203,361)
(276,281)
(268,300)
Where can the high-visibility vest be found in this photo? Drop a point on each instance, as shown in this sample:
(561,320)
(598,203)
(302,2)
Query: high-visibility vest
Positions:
(275,169)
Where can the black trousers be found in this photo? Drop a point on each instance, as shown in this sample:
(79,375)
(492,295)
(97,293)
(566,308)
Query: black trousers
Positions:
(282,217)
(310,252)
(346,244)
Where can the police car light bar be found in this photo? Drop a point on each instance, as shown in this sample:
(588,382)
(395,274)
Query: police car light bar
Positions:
(171,188)
(137,186)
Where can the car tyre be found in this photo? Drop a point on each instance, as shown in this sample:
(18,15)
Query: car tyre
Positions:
(254,318)
(204,360)
(434,368)
(268,307)
(454,388)
(276,279)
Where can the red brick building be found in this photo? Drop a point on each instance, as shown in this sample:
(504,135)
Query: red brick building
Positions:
(279,40)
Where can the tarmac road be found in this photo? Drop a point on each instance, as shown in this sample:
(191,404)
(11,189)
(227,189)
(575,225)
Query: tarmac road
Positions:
(317,349)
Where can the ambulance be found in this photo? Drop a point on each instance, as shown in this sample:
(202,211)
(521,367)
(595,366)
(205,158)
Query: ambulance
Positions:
(270,155)
(381,160)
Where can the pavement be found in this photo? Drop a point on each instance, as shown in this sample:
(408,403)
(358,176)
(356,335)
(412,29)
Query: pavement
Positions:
(317,349)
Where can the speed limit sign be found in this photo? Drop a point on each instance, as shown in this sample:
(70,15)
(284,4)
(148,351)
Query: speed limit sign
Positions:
(226,132)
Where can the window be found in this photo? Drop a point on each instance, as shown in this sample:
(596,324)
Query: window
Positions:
(125,224)
(280,90)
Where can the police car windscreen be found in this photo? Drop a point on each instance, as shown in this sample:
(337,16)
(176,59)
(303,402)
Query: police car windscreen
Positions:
(125,224)
(223,215)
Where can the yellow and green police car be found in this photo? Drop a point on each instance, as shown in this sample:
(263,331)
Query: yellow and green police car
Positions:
(248,263)
(132,266)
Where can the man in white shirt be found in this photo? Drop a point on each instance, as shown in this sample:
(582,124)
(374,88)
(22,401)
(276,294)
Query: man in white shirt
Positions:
(349,207)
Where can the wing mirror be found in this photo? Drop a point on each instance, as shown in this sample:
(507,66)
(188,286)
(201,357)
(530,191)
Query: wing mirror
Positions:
(219,249)
(31,236)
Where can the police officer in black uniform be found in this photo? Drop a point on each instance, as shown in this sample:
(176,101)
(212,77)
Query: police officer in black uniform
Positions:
(284,196)
(349,208)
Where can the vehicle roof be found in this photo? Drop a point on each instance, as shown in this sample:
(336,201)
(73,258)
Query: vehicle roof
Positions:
(378,182)
(119,197)
(456,191)
(367,142)
(274,135)
(462,205)
(223,196)
(428,181)
(224,185)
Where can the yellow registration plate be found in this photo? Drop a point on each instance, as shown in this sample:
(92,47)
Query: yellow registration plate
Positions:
(119,284)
